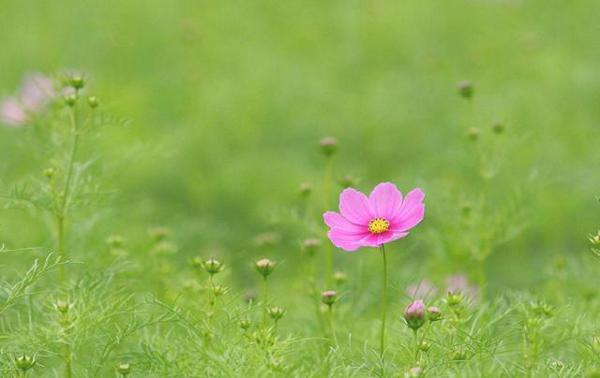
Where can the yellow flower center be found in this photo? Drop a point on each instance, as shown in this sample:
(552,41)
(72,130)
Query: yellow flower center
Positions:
(379,226)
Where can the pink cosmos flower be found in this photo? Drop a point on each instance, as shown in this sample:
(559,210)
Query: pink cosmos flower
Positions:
(372,221)
(421,290)
(12,113)
(459,283)
(36,92)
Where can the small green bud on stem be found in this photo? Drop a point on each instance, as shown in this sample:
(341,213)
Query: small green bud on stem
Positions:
(329,297)
(465,89)
(276,313)
(328,146)
(264,267)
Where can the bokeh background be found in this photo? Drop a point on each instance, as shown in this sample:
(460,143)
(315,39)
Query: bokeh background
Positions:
(226,102)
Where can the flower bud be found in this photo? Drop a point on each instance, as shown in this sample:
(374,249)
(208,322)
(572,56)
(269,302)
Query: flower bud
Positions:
(329,297)
(459,354)
(473,133)
(347,181)
(340,277)
(49,173)
(328,146)
(454,299)
(159,233)
(416,371)
(305,189)
(265,267)
(465,89)
(124,368)
(25,362)
(267,239)
(93,102)
(219,290)
(434,314)
(77,82)
(498,127)
(595,239)
(596,344)
(250,296)
(115,241)
(414,314)
(62,306)
(424,346)
(70,100)
(311,246)
(245,324)
(276,313)
(213,266)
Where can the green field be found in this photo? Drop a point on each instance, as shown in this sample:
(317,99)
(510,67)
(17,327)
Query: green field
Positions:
(206,144)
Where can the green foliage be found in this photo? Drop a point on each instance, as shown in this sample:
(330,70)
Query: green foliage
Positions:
(203,138)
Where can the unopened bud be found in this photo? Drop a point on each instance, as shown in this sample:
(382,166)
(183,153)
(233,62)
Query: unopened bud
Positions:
(245,324)
(93,102)
(434,314)
(595,239)
(250,296)
(124,368)
(465,89)
(329,297)
(454,299)
(596,344)
(340,277)
(328,146)
(62,306)
(424,346)
(77,82)
(276,313)
(311,246)
(459,354)
(473,133)
(498,127)
(416,371)
(49,173)
(219,290)
(213,266)
(159,233)
(347,181)
(265,267)
(70,100)
(414,314)
(25,362)
(115,241)
(305,189)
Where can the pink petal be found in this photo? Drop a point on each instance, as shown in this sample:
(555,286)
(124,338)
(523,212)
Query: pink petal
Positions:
(348,242)
(387,237)
(385,200)
(408,220)
(336,221)
(413,198)
(354,206)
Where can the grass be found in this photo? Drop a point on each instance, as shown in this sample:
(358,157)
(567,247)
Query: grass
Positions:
(209,122)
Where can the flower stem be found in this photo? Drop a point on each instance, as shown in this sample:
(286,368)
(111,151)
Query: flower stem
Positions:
(416,347)
(383,304)
(265,290)
(332,325)
(327,188)
(61,211)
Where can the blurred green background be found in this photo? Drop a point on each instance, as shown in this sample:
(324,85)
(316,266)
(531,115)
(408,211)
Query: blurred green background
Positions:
(228,100)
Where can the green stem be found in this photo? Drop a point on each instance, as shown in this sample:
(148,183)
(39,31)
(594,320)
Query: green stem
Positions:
(265,288)
(327,184)
(416,346)
(61,211)
(383,303)
(332,325)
